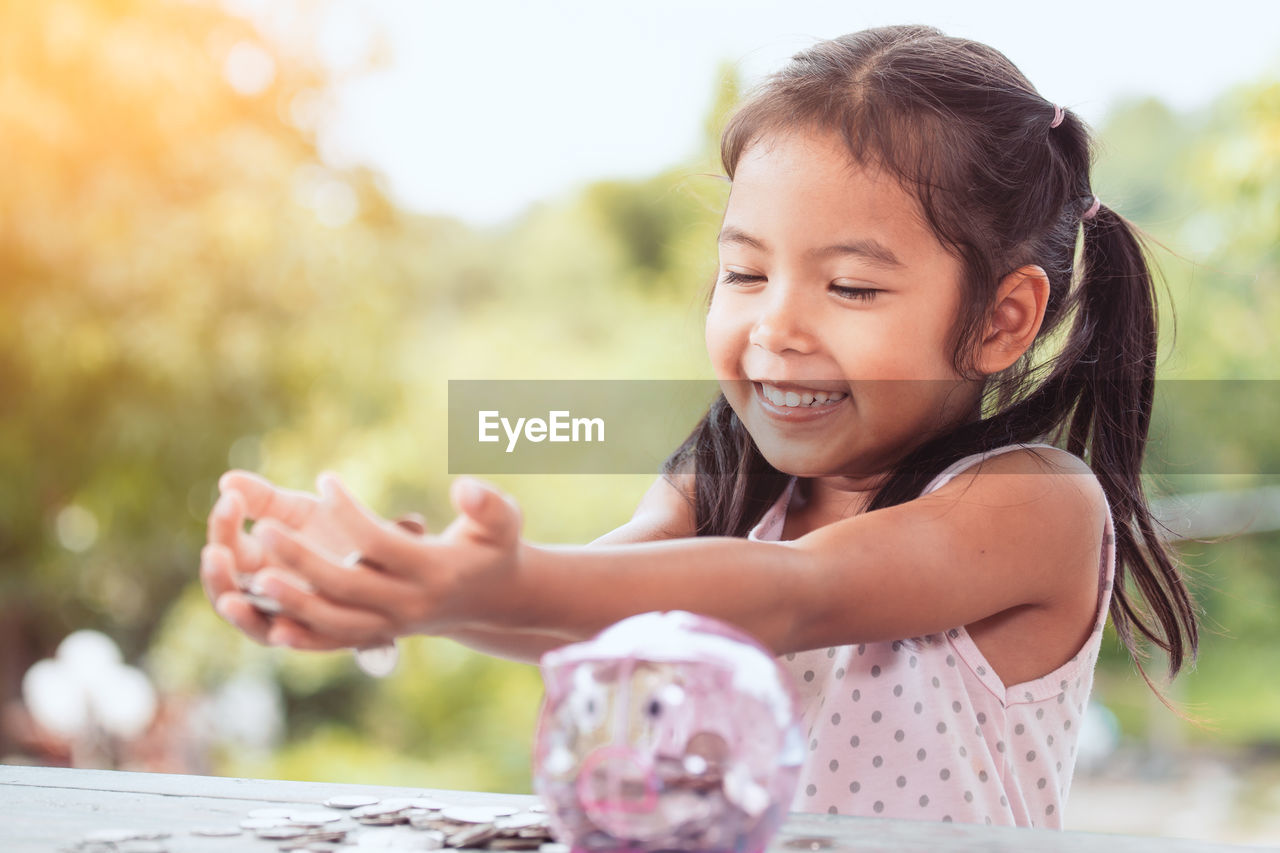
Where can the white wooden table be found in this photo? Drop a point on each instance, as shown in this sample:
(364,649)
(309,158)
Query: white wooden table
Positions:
(49,809)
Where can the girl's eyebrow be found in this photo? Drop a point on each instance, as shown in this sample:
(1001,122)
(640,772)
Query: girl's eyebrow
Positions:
(869,250)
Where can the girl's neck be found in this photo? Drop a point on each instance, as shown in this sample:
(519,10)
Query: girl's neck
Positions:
(827,499)
(823,500)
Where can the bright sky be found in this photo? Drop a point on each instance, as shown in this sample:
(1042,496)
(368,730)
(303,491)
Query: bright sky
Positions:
(488,106)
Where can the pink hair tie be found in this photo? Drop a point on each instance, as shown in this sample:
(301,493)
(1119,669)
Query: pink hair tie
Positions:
(1093,208)
(1058,115)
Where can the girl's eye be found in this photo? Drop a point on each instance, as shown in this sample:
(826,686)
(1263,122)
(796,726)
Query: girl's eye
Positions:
(864,294)
(731,277)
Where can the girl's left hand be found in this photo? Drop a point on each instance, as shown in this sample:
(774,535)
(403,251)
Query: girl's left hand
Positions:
(419,584)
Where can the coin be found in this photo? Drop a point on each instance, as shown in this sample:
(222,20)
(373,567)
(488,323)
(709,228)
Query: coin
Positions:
(353,801)
(424,803)
(272,811)
(472,835)
(476,814)
(378,809)
(315,818)
(264,604)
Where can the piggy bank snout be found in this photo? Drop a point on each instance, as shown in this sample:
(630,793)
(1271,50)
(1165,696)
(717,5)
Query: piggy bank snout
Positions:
(616,783)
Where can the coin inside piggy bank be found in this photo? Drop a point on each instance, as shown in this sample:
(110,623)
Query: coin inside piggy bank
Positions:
(667,731)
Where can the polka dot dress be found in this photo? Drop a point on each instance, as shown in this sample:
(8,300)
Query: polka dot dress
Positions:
(924,728)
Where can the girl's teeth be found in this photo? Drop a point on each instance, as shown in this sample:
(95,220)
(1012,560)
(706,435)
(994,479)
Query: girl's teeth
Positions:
(794,399)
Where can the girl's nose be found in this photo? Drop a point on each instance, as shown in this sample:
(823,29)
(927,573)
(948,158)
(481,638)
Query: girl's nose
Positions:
(781,324)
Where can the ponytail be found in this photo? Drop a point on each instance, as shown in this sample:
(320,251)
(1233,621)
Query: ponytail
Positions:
(1097,401)
(1117,377)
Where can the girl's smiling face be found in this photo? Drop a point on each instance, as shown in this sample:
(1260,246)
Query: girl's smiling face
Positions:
(830,281)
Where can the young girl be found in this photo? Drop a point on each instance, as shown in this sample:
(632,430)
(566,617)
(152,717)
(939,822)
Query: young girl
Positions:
(878,494)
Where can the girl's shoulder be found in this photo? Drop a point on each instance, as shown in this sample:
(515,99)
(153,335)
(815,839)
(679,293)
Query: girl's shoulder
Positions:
(666,511)
(1038,492)
(1019,459)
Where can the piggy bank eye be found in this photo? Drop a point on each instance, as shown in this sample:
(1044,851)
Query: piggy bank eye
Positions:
(663,700)
(587,701)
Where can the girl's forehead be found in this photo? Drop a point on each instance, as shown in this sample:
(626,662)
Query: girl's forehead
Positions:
(809,183)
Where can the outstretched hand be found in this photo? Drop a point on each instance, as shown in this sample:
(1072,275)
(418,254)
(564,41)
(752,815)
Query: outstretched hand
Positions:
(302,553)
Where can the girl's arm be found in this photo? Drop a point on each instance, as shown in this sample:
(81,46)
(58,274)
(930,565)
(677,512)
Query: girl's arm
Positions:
(1020,532)
(664,512)
(1017,534)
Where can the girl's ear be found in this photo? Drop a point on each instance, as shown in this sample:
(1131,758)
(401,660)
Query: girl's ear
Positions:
(1015,320)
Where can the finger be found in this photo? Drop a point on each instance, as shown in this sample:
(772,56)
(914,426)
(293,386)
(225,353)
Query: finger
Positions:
(226,528)
(218,577)
(343,625)
(327,573)
(216,573)
(264,499)
(295,635)
(388,545)
(236,609)
(485,512)
(413,522)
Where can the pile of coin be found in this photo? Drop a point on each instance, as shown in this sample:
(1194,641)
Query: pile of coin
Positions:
(402,823)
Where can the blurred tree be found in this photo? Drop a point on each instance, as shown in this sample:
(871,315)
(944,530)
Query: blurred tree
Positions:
(184,286)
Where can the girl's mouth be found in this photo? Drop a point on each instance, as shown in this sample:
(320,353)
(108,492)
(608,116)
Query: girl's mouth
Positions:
(792,405)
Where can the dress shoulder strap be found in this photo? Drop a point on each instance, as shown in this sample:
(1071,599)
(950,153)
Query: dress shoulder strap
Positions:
(951,471)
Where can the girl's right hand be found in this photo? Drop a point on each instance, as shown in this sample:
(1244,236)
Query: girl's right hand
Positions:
(233,554)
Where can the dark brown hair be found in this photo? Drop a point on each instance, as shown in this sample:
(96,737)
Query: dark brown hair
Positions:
(963,131)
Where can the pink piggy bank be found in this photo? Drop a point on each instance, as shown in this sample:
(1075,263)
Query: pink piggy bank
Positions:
(668,731)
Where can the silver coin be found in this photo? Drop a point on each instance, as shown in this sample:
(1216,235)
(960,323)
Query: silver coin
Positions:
(473,835)
(315,818)
(423,803)
(272,811)
(476,814)
(379,809)
(263,822)
(378,661)
(264,604)
(352,801)
(281,833)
